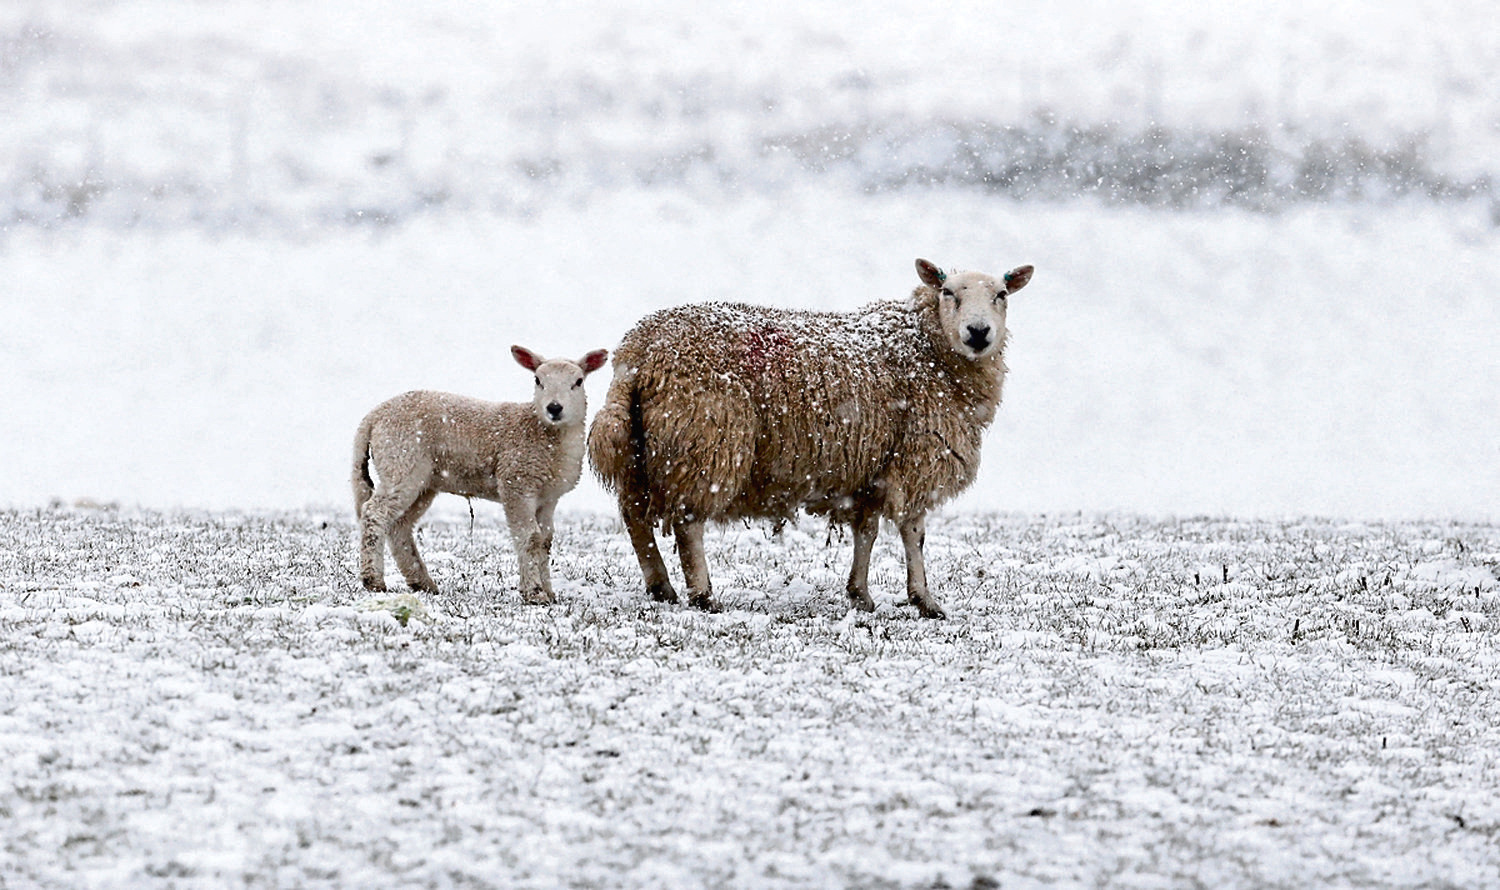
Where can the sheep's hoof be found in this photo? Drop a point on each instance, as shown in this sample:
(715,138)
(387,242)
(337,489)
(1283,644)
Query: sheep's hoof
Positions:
(662,593)
(860,599)
(930,610)
(703,601)
(423,586)
(373,583)
(538,597)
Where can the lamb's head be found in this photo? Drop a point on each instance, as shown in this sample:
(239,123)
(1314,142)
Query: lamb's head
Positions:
(971,306)
(559,398)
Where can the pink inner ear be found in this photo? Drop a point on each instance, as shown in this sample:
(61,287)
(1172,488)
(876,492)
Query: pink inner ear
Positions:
(525,357)
(594,360)
(930,274)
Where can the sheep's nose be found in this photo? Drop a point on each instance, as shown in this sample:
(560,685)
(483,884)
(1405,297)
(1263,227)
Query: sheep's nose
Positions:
(555,410)
(979,336)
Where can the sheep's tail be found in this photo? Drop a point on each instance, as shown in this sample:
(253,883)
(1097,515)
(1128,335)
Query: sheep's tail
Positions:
(612,439)
(360,480)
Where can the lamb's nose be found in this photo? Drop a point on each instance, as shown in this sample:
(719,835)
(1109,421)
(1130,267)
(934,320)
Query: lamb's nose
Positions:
(555,410)
(979,336)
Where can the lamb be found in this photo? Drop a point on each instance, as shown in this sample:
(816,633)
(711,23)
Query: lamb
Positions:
(523,456)
(721,411)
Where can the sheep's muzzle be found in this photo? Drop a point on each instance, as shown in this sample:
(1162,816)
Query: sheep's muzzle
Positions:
(977,337)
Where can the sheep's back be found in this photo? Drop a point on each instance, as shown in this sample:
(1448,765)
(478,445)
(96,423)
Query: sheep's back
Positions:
(754,412)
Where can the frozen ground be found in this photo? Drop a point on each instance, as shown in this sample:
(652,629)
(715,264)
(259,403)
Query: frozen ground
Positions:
(198,699)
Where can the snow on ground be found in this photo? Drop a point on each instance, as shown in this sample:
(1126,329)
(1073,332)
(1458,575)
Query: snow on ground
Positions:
(204,699)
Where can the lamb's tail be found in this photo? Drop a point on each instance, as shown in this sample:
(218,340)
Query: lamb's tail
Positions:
(612,438)
(360,480)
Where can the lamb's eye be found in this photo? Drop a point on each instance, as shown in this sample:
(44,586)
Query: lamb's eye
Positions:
(577,383)
(948,292)
(538,382)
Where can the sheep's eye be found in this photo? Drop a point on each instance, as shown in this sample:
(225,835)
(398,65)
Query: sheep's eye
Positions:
(948,292)
(538,382)
(577,383)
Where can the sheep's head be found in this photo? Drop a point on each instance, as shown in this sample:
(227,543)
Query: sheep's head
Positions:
(971,306)
(559,398)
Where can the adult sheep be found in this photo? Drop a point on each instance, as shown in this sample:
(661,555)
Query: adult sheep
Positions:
(725,411)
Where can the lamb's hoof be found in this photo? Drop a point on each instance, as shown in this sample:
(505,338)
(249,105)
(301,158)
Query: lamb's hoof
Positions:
(423,587)
(704,602)
(860,599)
(662,593)
(372,583)
(538,597)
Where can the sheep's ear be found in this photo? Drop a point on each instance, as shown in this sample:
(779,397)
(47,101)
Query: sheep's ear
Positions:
(1016,278)
(525,357)
(931,275)
(593,361)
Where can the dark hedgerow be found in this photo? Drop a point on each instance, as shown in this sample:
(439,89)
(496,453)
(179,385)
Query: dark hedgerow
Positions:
(1043,158)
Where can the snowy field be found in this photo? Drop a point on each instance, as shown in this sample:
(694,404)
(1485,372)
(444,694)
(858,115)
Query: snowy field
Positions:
(1267,244)
(200,699)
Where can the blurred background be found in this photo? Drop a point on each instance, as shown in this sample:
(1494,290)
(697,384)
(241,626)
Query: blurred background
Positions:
(1267,238)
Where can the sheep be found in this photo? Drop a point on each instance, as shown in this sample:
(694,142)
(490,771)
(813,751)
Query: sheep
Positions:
(525,456)
(723,411)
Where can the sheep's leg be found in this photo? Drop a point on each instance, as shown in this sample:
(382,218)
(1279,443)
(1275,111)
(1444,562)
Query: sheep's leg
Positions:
(689,535)
(371,551)
(379,514)
(404,546)
(913,535)
(544,512)
(526,534)
(866,528)
(643,539)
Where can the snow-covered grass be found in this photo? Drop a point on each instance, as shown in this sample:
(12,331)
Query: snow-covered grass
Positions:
(208,699)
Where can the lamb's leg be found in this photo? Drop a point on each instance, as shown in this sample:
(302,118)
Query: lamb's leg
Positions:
(375,521)
(643,539)
(544,513)
(371,550)
(404,546)
(913,535)
(866,527)
(520,514)
(689,536)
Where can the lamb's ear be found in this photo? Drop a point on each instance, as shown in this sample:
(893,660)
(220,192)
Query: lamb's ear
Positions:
(525,357)
(1016,278)
(593,361)
(931,275)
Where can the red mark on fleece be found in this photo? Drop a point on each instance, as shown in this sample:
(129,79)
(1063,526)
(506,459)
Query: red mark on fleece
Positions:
(765,349)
